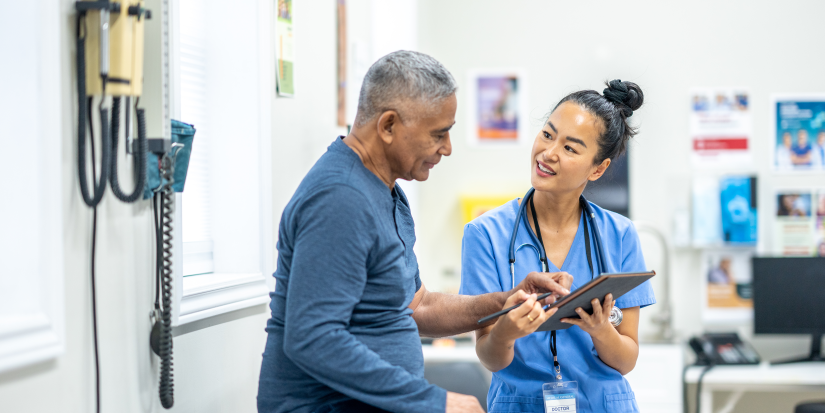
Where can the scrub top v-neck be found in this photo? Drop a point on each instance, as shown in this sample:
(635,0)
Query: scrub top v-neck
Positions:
(485,268)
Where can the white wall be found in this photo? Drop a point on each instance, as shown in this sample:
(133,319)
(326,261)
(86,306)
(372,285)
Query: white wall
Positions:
(306,124)
(665,47)
(216,360)
(376,28)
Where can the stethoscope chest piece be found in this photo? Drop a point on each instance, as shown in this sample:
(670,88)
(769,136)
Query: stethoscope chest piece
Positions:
(615,316)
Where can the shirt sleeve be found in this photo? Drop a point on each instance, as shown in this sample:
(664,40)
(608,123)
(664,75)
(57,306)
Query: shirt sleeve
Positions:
(478,264)
(335,232)
(634,261)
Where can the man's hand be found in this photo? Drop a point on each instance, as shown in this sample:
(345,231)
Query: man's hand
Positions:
(543,282)
(462,403)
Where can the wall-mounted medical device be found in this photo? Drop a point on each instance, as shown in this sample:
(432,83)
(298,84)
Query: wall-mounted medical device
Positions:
(110,40)
(110,63)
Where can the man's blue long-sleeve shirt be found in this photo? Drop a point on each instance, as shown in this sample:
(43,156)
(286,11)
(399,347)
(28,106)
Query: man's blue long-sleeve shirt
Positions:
(340,326)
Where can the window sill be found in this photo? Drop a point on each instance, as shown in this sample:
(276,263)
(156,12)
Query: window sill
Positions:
(209,295)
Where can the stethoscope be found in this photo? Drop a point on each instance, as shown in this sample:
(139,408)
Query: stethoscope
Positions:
(590,218)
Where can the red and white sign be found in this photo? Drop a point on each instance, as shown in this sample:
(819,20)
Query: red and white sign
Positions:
(720,127)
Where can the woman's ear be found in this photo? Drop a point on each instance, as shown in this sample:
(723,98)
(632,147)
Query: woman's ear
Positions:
(599,170)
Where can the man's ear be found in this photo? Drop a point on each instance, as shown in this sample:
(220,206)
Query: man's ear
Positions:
(387,125)
(599,170)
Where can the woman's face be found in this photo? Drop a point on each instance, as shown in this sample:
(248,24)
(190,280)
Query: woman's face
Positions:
(565,149)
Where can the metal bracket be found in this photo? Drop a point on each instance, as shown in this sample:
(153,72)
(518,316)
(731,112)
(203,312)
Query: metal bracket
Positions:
(84,6)
(159,146)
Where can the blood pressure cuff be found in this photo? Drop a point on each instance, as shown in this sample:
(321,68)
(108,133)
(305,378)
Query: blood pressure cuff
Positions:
(182,133)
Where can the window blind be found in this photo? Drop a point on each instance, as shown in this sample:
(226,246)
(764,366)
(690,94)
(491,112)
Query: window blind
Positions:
(196,199)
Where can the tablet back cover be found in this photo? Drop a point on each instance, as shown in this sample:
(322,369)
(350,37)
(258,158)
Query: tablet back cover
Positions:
(618,284)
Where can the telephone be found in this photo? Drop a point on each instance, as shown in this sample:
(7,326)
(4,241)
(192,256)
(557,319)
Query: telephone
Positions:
(722,348)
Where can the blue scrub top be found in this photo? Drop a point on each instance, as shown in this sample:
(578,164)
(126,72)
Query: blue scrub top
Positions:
(485,268)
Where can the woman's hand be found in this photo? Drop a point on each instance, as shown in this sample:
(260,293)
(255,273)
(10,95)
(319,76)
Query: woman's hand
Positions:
(598,323)
(522,321)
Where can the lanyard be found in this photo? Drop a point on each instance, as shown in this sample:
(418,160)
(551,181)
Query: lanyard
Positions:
(553,349)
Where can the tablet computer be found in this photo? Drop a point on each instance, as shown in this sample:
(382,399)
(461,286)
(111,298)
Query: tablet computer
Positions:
(617,284)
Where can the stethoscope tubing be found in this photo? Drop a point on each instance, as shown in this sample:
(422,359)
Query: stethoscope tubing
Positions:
(591,218)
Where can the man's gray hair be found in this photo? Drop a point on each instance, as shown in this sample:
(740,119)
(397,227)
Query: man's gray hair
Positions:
(398,81)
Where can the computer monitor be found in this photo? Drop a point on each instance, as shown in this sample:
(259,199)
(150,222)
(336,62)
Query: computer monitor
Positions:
(789,298)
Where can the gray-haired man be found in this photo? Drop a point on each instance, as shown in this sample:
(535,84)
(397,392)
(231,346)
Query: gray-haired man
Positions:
(349,305)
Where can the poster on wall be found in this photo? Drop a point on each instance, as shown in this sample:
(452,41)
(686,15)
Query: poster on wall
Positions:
(284,50)
(720,127)
(474,206)
(819,224)
(799,225)
(727,289)
(341,113)
(725,211)
(498,103)
(799,135)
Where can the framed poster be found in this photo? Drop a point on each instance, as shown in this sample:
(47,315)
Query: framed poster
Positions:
(727,290)
(720,127)
(799,223)
(799,132)
(497,107)
(725,211)
(341,113)
(284,49)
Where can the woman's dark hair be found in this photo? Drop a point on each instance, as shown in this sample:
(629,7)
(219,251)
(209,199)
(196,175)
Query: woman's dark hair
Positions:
(613,108)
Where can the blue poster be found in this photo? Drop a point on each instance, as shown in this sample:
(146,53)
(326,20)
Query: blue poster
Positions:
(800,135)
(739,218)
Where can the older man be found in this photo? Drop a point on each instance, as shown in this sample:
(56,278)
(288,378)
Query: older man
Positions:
(349,305)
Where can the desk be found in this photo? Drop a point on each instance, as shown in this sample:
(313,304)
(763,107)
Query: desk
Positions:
(457,354)
(764,377)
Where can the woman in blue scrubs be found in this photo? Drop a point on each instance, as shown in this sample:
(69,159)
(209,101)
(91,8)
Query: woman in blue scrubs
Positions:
(583,134)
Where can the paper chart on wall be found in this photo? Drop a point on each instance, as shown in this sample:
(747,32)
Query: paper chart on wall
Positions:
(725,211)
(799,223)
(799,133)
(727,289)
(720,127)
(285,49)
(497,107)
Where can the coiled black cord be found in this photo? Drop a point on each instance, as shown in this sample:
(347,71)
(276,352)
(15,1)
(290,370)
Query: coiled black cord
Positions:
(140,154)
(99,188)
(166,388)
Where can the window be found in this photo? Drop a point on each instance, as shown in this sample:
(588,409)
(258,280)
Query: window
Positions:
(224,214)
(195,201)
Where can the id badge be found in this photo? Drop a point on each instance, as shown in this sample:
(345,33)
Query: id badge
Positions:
(560,396)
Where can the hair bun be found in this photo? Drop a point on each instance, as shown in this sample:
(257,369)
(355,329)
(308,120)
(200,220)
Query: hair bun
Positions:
(627,96)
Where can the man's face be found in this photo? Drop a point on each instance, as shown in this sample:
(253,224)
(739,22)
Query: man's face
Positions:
(821,139)
(802,137)
(788,201)
(725,264)
(418,144)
